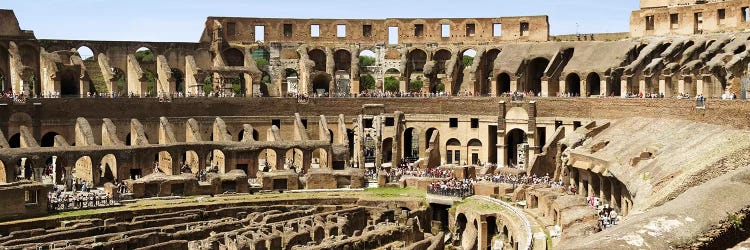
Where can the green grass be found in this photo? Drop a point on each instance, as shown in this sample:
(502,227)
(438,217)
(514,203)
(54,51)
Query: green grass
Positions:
(391,192)
(479,205)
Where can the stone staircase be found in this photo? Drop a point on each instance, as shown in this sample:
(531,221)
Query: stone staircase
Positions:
(95,73)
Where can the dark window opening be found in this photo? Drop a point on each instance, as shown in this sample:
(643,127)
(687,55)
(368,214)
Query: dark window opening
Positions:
(276,122)
(721,14)
(418,30)
(389,122)
(474,123)
(650,23)
(454,122)
(558,124)
(367,30)
(31,197)
(367,123)
(541,132)
(288,30)
(470,29)
(674,21)
(745,14)
(280,184)
(524,29)
(304,123)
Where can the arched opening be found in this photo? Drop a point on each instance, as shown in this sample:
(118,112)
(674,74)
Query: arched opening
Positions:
(453,151)
(593,81)
(48,139)
(515,140)
(120,79)
(330,136)
(179,80)
(689,87)
(15,141)
(491,230)
(267,160)
(428,137)
(144,54)
(573,85)
(461,222)
(84,171)
(190,162)
(294,160)
(387,149)
(290,83)
(367,67)
(70,83)
(321,84)
(238,86)
(391,80)
(86,54)
(108,169)
(319,57)
(216,161)
(535,72)
(503,84)
(474,148)
(234,57)
(25,169)
(411,145)
(4,81)
(163,162)
(320,158)
(342,60)
(150,82)
(441,57)
(415,70)
(485,71)
(465,60)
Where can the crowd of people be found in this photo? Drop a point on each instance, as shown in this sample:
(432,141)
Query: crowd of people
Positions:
(452,187)
(608,217)
(59,200)
(521,179)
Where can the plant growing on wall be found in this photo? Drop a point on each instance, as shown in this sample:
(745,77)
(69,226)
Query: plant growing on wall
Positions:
(367,81)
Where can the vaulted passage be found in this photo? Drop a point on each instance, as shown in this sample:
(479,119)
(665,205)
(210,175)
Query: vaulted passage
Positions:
(535,72)
(594,84)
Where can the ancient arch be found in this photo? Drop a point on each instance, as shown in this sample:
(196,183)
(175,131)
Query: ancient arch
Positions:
(466,59)
(441,58)
(319,57)
(428,137)
(453,151)
(503,83)
(266,160)
(108,172)
(535,73)
(83,169)
(474,149)
(216,160)
(86,53)
(492,229)
(320,157)
(572,84)
(234,57)
(342,60)
(48,139)
(294,159)
(593,81)
(321,84)
(485,71)
(179,80)
(461,222)
(290,83)
(164,159)
(192,161)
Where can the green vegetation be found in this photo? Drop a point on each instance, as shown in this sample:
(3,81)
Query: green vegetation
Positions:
(366,82)
(468,61)
(261,62)
(365,61)
(150,82)
(392,192)
(479,205)
(416,85)
(735,221)
(440,87)
(208,84)
(391,84)
(145,56)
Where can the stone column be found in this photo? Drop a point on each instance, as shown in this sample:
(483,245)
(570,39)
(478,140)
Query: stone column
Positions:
(613,198)
(642,86)
(624,86)
(601,188)
(482,234)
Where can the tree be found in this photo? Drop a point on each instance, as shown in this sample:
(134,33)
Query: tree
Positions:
(261,62)
(365,61)
(468,61)
(391,84)
(367,82)
(208,85)
(144,56)
(440,87)
(150,82)
(416,85)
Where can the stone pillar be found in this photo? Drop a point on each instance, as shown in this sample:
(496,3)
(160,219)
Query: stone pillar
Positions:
(601,188)
(699,88)
(68,179)
(624,87)
(663,87)
(493,87)
(642,86)
(545,88)
(584,88)
(513,85)
(590,186)
(482,234)
(38,172)
(613,198)
(681,86)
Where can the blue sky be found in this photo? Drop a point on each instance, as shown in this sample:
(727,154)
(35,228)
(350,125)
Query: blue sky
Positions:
(182,21)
